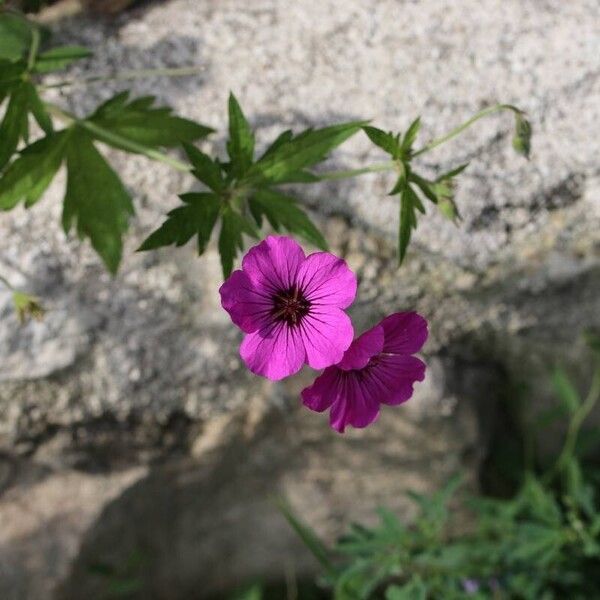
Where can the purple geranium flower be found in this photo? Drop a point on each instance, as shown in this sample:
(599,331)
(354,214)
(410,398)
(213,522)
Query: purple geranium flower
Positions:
(376,369)
(290,305)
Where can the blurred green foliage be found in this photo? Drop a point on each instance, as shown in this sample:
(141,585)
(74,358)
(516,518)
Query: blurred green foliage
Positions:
(543,543)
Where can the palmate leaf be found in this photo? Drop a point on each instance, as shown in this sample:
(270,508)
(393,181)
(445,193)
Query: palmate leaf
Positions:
(282,211)
(293,155)
(196,217)
(141,122)
(96,200)
(28,176)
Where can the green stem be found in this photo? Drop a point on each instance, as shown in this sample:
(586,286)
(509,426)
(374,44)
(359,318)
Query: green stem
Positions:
(34,48)
(116,139)
(376,168)
(128,75)
(458,130)
(575,424)
(393,165)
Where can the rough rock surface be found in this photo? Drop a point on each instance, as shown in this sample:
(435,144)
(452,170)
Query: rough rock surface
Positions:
(143,369)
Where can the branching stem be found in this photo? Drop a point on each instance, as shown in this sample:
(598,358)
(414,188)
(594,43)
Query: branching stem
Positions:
(458,130)
(115,138)
(126,76)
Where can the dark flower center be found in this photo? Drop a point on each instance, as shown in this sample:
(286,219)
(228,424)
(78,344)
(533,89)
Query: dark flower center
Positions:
(290,306)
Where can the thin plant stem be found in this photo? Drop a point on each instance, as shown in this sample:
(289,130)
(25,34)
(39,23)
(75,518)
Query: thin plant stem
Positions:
(116,139)
(34,48)
(393,165)
(577,421)
(458,130)
(376,168)
(126,76)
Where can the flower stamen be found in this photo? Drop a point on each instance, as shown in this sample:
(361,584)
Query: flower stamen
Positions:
(290,305)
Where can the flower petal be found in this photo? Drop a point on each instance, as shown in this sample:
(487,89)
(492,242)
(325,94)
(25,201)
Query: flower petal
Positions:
(323,392)
(393,377)
(326,279)
(273,264)
(275,352)
(326,333)
(362,349)
(405,333)
(247,307)
(351,406)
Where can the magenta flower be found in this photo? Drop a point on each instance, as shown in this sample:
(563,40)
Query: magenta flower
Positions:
(290,306)
(376,369)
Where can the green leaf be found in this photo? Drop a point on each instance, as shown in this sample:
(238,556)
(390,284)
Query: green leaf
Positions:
(15,36)
(522,139)
(230,238)
(140,122)
(415,589)
(453,172)
(385,141)
(27,178)
(408,219)
(240,146)
(59,58)
(95,200)
(565,389)
(38,110)
(282,211)
(296,154)
(426,186)
(280,140)
(11,75)
(14,124)
(196,217)
(411,135)
(206,169)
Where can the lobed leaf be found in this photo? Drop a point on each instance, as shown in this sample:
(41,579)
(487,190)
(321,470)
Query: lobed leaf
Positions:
(387,141)
(282,211)
(28,176)
(96,200)
(196,217)
(14,125)
(206,169)
(140,122)
(295,154)
(409,201)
